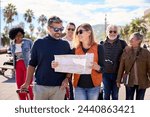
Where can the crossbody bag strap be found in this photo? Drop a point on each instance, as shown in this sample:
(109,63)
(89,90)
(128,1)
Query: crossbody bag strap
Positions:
(137,54)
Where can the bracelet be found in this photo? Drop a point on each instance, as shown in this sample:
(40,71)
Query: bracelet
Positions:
(69,78)
(100,70)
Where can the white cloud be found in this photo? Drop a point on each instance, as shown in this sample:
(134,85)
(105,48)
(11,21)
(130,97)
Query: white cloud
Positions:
(124,2)
(123,17)
(117,11)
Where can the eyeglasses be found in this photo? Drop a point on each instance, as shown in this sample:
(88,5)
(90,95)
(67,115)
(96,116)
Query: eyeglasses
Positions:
(71,29)
(80,32)
(57,29)
(112,31)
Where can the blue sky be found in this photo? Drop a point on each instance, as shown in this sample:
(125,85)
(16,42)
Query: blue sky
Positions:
(119,12)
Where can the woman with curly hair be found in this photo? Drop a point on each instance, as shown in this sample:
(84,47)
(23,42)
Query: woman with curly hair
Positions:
(20,48)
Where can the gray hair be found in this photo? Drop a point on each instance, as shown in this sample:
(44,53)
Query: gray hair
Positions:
(138,35)
(54,19)
(111,26)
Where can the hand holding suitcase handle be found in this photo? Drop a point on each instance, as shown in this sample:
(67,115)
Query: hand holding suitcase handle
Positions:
(26,91)
(22,91)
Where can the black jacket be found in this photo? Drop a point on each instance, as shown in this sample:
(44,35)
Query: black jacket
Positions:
(112,54)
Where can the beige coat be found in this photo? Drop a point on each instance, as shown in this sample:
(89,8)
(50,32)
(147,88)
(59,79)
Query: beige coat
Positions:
(143,67)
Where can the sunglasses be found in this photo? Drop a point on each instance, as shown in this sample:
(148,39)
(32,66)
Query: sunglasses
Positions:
(112,31)
(57,29)
(71,29)
(80,32)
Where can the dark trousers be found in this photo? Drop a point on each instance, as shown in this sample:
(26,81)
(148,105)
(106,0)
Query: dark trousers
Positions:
(140,93)
(71,90)
(110,86)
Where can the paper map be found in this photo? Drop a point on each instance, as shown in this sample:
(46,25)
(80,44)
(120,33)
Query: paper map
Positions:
(80,64)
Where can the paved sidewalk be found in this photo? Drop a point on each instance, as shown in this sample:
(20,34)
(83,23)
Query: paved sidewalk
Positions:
(8,86)
(8,90)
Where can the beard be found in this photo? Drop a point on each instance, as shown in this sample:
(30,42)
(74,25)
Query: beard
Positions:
(57,35)
(112,37)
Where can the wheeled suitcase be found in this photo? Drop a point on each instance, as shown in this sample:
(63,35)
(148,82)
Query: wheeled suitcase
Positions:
(25,92)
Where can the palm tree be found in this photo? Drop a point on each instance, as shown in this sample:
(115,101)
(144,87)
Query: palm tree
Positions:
(9,12)
(135,26)
(141,25)
(29,16)
(4,37)
(31,27)
(4,40)
(146,22)
(125,32)
(42,20)
(22,25)
(6,30)
(38,31)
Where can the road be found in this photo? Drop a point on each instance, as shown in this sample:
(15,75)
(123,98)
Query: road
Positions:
(8,86)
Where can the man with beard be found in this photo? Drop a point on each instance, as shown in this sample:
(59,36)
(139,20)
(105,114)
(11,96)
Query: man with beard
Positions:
(50,85)
(113,48)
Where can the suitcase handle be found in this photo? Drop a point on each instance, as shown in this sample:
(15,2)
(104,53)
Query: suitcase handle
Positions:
(22,91)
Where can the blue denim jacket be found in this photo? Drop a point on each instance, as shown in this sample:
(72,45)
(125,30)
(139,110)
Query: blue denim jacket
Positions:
(26,48)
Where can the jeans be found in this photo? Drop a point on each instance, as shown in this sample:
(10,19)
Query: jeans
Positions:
(131,90)
(87,93)
(110,86)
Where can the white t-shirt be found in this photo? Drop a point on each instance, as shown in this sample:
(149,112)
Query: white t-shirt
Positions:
(18,48)
(70,42)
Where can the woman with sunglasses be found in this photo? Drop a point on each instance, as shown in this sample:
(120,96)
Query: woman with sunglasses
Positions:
(113,48)
(20,49)
(87,87)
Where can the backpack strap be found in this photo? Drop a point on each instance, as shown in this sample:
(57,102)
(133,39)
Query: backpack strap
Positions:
(100,55)
(123,44)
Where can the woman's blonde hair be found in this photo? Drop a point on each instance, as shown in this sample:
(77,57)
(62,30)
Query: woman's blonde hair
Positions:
(87,27)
